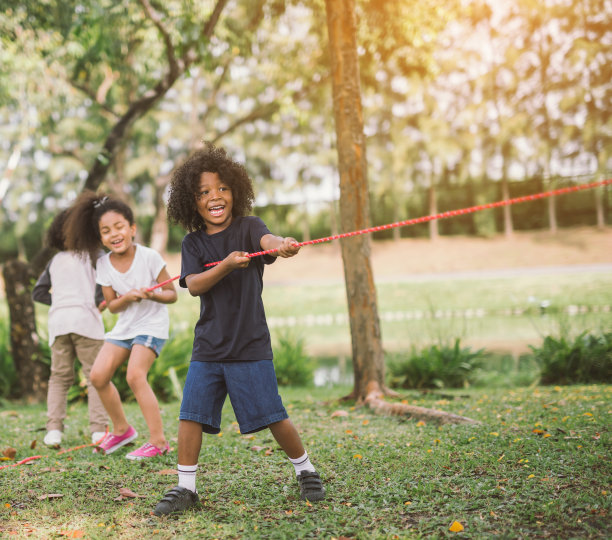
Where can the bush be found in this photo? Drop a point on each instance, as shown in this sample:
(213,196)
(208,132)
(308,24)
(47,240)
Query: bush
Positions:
(292,365)
(587,360)
(8,375)
(442,366)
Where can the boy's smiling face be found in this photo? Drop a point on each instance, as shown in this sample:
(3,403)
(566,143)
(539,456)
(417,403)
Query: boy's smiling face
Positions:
(214,202)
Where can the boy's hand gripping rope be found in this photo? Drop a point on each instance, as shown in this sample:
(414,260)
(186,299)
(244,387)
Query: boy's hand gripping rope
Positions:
(425,219)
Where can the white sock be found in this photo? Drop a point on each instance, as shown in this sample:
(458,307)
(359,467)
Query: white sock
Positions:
(302,464)
(187,477)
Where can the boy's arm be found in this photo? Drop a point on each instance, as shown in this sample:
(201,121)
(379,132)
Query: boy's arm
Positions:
(40,292)
(201,283)
(287,247)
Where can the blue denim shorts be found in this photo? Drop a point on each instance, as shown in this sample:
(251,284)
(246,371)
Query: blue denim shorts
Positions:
(251,387)
(153,343)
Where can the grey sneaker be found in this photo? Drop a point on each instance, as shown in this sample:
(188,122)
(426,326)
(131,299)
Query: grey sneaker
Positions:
(311,487)
(178,499)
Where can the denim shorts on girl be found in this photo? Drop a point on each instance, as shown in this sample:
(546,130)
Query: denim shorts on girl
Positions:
(251,387)
(153,343)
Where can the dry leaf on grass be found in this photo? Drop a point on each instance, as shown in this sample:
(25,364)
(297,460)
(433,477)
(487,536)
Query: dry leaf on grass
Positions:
(167,472)
(9,453)
(126,492)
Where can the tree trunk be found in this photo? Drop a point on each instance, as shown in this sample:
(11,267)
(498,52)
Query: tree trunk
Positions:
(368,358)
(434,233)
(159,230)
(25,346)
(508,226)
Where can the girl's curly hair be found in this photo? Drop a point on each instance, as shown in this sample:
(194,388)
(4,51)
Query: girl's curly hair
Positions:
(55,233)
(185,184)
(81,230)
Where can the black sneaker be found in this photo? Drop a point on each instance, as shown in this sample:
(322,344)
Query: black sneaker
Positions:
(311,487)
(178,499)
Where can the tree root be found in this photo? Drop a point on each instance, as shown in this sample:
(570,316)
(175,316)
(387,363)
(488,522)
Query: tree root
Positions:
(375,400)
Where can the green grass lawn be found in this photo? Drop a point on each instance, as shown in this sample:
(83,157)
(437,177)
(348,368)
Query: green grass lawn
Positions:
(538,466)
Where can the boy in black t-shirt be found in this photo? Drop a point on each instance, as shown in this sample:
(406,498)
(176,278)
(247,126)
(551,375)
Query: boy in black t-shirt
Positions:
(211,195)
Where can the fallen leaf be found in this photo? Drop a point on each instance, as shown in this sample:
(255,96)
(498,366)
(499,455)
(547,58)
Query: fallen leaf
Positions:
(33,444)
(339,413)
(10,413)
(125,492)
(73,534)
(167,471)
(9,453)
(257,448)
(456,527)
(50,496)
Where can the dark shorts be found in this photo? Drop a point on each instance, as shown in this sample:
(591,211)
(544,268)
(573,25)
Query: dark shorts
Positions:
(251,387)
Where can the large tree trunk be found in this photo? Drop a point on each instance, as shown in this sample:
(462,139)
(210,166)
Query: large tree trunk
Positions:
(25,346)
(368,358)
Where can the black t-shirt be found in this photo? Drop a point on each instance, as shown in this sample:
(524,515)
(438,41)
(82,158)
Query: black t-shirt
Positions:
(232,324)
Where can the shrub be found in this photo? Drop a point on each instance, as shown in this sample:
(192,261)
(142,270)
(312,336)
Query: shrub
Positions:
(437,366)
(585,360)
(292,365)
(168,373)
(8,374)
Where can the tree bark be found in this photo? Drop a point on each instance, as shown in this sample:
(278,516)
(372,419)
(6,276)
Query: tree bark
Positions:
(25,346)
(368,358)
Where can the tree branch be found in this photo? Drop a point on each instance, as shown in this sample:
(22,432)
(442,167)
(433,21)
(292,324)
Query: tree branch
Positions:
(141,106)
(156,19)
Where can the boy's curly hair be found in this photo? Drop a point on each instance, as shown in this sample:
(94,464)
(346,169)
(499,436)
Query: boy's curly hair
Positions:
(185,184)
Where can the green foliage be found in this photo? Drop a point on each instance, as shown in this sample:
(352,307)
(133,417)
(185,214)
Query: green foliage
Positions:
(8,375)
(587,359)
(168,373)
(437,366)
(292,365)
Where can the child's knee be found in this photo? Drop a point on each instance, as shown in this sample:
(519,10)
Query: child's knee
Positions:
(99,378)
(135,379)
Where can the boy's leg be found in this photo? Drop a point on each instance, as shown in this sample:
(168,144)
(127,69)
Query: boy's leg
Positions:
(288,438)
(87,349)
(139,364)
(61,379)
(311,487)
(184,496)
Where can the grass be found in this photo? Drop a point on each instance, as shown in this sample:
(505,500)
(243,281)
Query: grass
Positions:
(538,466)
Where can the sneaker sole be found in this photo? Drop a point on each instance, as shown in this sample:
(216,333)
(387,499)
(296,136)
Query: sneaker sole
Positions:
(138,458)
(122,443)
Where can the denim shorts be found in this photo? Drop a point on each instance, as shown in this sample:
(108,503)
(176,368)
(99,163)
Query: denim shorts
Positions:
(153,343)
(251,387)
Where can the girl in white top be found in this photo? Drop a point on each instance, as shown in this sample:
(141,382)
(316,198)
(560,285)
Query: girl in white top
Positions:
(126,273)
(76,330)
